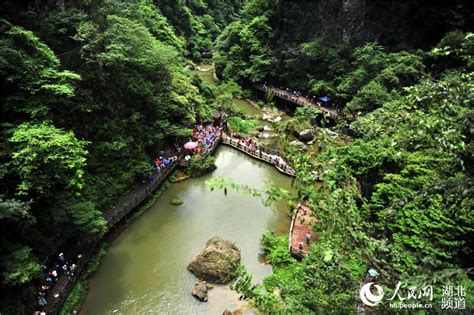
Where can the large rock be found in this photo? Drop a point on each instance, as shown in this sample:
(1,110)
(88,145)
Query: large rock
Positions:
(306,135)
(217,263)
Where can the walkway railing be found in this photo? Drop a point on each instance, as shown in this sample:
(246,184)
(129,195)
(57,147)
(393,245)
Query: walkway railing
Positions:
(136,196)
(272,159)
(299,100)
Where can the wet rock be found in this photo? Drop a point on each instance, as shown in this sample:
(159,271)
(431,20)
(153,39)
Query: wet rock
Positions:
(200,291)
(217,263)
(306,135)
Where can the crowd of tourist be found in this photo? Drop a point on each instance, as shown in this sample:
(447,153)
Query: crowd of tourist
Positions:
(162,163)
(205,135)
(51,274)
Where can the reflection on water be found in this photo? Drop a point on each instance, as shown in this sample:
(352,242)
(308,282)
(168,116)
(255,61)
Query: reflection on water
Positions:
(144,270)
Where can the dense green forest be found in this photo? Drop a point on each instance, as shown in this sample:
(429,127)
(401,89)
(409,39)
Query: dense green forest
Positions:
(398,197)
(91,91)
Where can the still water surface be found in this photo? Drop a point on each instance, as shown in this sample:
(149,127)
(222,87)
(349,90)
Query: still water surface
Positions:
(144,270)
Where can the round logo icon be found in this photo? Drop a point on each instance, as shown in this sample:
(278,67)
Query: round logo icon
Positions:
(368,297)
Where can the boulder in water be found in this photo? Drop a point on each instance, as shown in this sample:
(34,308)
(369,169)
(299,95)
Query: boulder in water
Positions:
(217,263)
(200,291)
(306,135)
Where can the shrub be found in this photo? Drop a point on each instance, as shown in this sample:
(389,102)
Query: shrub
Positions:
(200,166)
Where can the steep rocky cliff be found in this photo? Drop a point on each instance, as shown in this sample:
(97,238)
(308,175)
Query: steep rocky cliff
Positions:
(392,23)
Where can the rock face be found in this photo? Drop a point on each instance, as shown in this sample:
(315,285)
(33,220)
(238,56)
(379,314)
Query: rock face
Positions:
(360,21)
(217,263)
(306,135)
(200,290)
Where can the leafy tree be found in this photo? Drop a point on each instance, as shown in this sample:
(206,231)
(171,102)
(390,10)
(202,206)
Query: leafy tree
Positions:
(19,267)
(45,156)
(31,71)
(368,98)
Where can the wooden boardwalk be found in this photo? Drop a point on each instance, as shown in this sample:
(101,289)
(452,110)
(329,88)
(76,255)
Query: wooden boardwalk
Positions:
(301,224)
(299,100)
(273,159)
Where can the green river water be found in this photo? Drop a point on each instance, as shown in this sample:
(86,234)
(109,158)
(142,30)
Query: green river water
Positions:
(144,270)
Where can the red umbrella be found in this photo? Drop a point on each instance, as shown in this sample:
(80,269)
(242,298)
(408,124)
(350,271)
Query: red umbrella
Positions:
(190,145)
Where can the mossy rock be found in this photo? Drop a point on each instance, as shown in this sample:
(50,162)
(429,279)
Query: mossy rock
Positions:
(176,202)
(200,166)
(217,263)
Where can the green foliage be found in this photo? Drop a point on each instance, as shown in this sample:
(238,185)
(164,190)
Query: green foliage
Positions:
(44,157)
(75,298)
(368,98)
(94,262)
(262,299)
(19,267)
(15,210)
(397,198)
(32,73)
(200,165)
(455,50)
(276,250)
(80,217)
(247,53)
(241,125)
(375,73)
(199,21)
